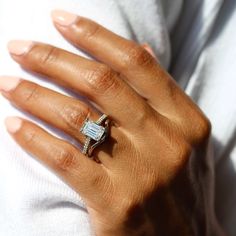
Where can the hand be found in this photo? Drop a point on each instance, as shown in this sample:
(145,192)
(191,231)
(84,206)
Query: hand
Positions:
(142,185)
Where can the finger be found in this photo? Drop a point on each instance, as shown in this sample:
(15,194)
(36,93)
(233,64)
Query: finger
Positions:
(92,79)
(130,59)
(65,113)
(79,172)
(137,66)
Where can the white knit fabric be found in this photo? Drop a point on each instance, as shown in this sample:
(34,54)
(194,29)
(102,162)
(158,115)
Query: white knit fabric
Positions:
(201,33)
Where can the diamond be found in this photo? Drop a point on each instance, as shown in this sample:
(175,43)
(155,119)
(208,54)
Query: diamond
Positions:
(93,130)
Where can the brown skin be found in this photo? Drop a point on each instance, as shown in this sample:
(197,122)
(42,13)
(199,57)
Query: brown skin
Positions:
(142,185)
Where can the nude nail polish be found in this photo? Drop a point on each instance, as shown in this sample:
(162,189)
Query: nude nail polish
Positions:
(149,49)
(8,83)
(63,18)
(13,124)
(19,47)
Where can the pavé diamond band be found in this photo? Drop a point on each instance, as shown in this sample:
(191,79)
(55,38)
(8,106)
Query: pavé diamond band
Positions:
(96,132)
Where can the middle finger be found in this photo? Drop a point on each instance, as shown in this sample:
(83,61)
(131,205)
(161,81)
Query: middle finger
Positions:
(65,113)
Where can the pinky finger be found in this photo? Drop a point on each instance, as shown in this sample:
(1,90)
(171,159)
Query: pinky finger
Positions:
(62,157)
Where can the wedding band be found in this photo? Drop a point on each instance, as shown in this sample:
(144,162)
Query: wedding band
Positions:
(96,133)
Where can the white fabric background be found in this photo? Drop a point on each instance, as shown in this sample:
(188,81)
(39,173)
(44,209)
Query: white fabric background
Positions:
(201,35)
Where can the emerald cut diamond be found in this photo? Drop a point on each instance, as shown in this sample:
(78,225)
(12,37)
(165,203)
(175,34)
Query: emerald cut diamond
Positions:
(93,130)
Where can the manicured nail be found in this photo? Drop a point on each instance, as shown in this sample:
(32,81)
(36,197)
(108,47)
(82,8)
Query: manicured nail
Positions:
(63,18)
(13,124)
(8,83)
(19,47)
(149,49)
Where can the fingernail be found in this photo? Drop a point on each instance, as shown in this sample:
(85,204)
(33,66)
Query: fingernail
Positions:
(13,124)
(8,83)
(19,47)
(63,18)
(149,49)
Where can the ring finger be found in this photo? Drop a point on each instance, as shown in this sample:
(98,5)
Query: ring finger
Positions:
(65,113)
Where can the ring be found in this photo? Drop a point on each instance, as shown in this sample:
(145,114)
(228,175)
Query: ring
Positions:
(95,133)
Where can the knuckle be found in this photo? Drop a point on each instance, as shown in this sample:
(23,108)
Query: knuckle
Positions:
(50,56)
(30,137)
(181,152)
(202,129)
(137,56)
(102,79)
(179,148)
(65,159)
(31,93)
(74,116)
(88,28)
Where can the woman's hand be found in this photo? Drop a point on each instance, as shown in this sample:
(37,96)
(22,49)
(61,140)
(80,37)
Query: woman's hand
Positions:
(143,184)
